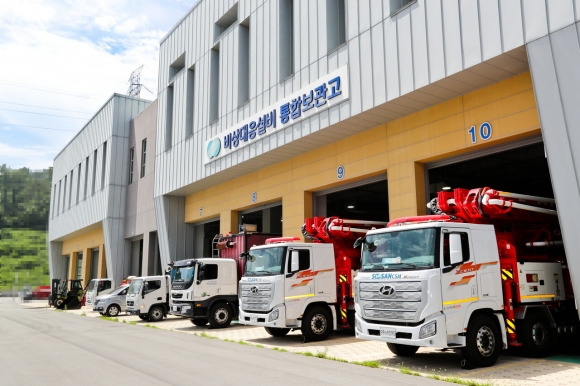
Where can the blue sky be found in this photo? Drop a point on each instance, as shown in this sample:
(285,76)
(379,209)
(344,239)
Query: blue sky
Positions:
(60,61)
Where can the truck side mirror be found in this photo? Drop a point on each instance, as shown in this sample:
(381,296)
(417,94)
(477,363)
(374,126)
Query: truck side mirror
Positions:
(455,249)
(200,273)
(294,261)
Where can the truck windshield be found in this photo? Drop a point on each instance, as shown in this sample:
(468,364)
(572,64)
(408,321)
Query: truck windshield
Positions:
(410,249)
(265,261)
(183,274)
(92,285)
(135,287)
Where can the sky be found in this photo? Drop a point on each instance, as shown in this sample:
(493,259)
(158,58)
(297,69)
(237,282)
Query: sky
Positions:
(61,60)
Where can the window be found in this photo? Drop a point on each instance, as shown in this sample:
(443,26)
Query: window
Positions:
(131,164)
(189,104)
(335,23)
(151,286)
(464,247)
(244,63)
(94,172)
(143,156)
(228,19)
(70,188)
(303,259)
(58,200)
(214,84)
(399,5)
(78,183)
(104,165)
(208,272)
(64,193)
(54,201)
(177,66)
(286,38)
(86,178)
(79,273)
(169,118)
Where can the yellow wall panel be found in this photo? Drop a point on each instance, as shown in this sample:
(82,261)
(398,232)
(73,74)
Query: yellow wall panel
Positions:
(399,148)
(90,239)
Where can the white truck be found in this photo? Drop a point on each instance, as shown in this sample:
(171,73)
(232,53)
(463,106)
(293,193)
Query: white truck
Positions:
(289,284)
(148,297)
(205,290)
(485,272)
(98,287)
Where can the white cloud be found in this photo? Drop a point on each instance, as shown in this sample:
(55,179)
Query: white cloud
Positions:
(67,57)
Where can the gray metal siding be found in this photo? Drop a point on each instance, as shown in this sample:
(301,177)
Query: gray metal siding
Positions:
(554,63)
(387,57)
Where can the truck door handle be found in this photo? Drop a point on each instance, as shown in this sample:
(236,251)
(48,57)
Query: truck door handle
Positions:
(158,298)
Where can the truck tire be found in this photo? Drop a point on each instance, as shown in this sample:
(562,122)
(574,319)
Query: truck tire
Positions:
(220,315)
(58,302)
(316,324)
(277,332)
(402,350)
(113,310)
(536,335)
(155,314)
(483,342)
(199,322)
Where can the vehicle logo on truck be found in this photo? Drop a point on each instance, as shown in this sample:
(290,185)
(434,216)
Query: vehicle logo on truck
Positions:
(254,290)
(386,290)
(376,276)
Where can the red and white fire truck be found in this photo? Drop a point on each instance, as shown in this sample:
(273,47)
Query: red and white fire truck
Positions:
(487,271)
(290,284)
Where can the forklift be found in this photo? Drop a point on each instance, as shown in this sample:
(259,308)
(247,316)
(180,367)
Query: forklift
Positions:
(62,296)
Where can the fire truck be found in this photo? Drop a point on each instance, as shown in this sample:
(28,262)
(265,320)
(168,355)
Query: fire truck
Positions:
(290,285)
(485,272)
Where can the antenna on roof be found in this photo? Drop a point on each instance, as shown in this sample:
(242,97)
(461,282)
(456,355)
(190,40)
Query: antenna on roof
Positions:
(135,83)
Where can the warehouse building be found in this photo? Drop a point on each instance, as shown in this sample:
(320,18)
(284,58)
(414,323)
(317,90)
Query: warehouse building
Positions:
(275,110)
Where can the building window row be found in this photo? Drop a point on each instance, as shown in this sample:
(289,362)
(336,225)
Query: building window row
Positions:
(63,190)
(336,37)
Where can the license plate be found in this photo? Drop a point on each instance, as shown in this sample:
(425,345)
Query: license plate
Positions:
(388,332)
(254,319)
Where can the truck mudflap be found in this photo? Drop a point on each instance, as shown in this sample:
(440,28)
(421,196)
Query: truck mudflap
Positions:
(430,333)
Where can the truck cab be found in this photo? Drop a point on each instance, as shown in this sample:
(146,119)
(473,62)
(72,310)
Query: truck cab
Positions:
(423,284)
(148,297)
(98,287)
(205,290)
(290,285)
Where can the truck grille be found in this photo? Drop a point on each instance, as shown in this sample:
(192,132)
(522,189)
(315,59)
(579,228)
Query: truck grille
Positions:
(256,296)
(391,301)
(130,303)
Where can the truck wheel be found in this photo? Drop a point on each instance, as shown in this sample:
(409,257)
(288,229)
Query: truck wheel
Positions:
(155,314)
(483,341)
(537,338)
(402,350)
(316,323)
(199,322)
(58,303)
(113,310)
(220,315)
(277,332)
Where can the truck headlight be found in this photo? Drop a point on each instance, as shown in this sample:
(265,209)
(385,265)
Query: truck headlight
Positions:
(274,315)
(428,330)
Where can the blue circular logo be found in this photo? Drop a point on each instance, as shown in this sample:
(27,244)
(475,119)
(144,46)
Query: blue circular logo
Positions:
(213,148)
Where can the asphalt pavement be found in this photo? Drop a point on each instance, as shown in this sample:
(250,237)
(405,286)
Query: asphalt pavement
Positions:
(511,368)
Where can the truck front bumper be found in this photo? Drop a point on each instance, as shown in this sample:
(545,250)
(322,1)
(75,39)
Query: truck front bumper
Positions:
(181,309)
(430,333)
(275,318)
